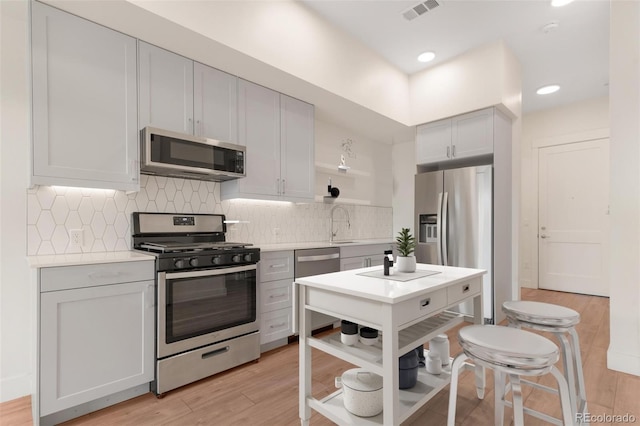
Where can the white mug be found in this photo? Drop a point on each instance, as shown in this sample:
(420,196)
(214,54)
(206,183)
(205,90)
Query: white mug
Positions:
(434,363)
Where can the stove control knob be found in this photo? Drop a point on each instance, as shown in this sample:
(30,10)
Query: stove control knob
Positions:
(247,257)
(236,258)
(180,263)
(193,262)
(216,260)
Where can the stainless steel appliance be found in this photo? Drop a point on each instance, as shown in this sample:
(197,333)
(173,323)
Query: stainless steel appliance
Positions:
(167,153)
(309,262)
(454,223)
(206,296)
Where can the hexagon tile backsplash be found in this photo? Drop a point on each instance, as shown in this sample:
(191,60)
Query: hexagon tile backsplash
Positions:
(105,216)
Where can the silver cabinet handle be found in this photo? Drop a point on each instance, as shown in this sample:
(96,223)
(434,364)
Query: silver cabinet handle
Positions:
(453,151)
(448,152)
(319,257)
(274,296)
(282,186)
(277,265)
(543,236)
(282,324)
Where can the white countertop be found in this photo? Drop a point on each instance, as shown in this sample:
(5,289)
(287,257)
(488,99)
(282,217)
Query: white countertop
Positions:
(321,244)
(49,261)
(386,290)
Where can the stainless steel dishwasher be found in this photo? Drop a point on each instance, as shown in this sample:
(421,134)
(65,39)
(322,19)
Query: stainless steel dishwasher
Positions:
(314,262)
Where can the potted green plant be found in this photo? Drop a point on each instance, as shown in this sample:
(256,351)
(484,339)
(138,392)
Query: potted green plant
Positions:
(406,244)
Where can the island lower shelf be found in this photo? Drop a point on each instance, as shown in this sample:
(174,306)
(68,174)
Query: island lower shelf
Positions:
(410,400)
(370,357)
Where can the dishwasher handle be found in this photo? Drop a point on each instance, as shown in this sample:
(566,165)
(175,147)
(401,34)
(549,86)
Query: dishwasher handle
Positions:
(318,257)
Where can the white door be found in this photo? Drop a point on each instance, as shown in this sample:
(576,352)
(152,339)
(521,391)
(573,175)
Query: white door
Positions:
(573,245)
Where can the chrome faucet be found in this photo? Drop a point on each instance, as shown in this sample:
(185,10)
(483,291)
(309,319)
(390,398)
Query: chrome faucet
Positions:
(333,209)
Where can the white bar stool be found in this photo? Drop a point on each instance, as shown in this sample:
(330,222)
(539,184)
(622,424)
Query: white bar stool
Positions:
(560,321)
(514,353)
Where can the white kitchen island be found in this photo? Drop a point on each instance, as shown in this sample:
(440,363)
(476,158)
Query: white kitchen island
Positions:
(408,310)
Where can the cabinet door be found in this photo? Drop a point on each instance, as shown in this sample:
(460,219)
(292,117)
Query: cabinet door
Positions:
(166,89)
(215,104)
(353,263)
(94,342)
(259,131)
(85,130)
(433,142)
(297,149)
(472,134)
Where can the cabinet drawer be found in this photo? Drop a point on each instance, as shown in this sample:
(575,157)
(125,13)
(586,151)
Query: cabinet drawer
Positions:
(275,325)
(69,277)
(364,250)
(276,265)
(461,291)
(413,309)
(275,295)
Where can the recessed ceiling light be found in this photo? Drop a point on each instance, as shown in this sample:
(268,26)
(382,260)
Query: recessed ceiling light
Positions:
(548,89)
(426,56)
(558,3)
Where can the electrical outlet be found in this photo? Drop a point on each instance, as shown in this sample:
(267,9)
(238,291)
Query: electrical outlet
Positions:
(76,237)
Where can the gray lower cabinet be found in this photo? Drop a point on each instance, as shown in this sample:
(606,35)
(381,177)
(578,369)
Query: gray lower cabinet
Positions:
(85,109)
(275,289)
(362,256)
(96,337)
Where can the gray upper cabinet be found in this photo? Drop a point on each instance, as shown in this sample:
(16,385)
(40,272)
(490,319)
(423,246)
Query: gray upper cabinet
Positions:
(184,96)
(457,138)
(85,129)
(215,103)
(166,89)
(278,133)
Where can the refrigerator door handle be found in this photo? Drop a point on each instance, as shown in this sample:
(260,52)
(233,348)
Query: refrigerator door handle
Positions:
(439,229)
(443,232)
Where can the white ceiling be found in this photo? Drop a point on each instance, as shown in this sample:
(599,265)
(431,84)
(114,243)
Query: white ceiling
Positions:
(575,55)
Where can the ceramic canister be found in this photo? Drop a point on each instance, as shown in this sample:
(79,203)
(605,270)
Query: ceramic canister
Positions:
(362,392)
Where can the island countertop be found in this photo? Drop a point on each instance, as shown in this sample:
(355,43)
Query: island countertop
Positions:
(387,289)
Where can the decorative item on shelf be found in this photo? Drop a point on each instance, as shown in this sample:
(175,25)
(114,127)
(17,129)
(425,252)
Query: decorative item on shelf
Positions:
(348,333)
(361,392)
(434,363)
(408,364)
(440,345)
(333,191)
(406,243)
(342,167)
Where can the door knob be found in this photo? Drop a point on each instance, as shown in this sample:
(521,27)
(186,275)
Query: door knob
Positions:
(544,236)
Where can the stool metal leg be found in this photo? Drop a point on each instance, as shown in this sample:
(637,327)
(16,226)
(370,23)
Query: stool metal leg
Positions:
(453,389)
(518,405)
(582,394)
(480,381)
(565,400)
(569,368)
(499,394)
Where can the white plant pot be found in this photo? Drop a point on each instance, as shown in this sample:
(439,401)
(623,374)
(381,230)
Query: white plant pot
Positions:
(406,263)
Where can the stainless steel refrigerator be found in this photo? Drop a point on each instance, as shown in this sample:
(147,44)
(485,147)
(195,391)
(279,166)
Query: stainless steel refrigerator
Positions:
(454,224)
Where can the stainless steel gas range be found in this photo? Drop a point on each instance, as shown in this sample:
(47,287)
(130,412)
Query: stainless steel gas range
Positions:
(206,296)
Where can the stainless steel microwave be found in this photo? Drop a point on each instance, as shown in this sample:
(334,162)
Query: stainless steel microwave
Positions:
(167,153)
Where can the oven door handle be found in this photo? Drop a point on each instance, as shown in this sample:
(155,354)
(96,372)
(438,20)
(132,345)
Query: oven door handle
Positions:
(210,272)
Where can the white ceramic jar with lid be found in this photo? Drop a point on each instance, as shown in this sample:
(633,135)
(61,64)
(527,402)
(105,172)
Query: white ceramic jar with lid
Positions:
(362,392)
(440,344)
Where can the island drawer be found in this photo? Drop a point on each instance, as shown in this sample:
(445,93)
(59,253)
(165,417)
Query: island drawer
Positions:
(411,310)
(461,291)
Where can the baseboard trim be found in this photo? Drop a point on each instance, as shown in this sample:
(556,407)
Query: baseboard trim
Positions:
(15,387)
(626,363)
(95,405)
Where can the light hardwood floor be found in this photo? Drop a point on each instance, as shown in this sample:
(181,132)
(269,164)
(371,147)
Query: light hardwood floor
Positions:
(266,392)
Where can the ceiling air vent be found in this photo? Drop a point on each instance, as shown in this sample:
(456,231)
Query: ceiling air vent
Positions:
(420,9)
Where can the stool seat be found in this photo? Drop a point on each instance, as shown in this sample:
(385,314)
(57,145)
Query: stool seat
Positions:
(511,353)
(510,347)
(541,313)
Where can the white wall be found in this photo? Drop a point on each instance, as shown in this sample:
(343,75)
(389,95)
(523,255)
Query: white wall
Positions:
(480,78)
(570,123)
(16,291)
(404,170)
(624,90)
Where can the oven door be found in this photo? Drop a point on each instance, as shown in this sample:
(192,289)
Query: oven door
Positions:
(198,308)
